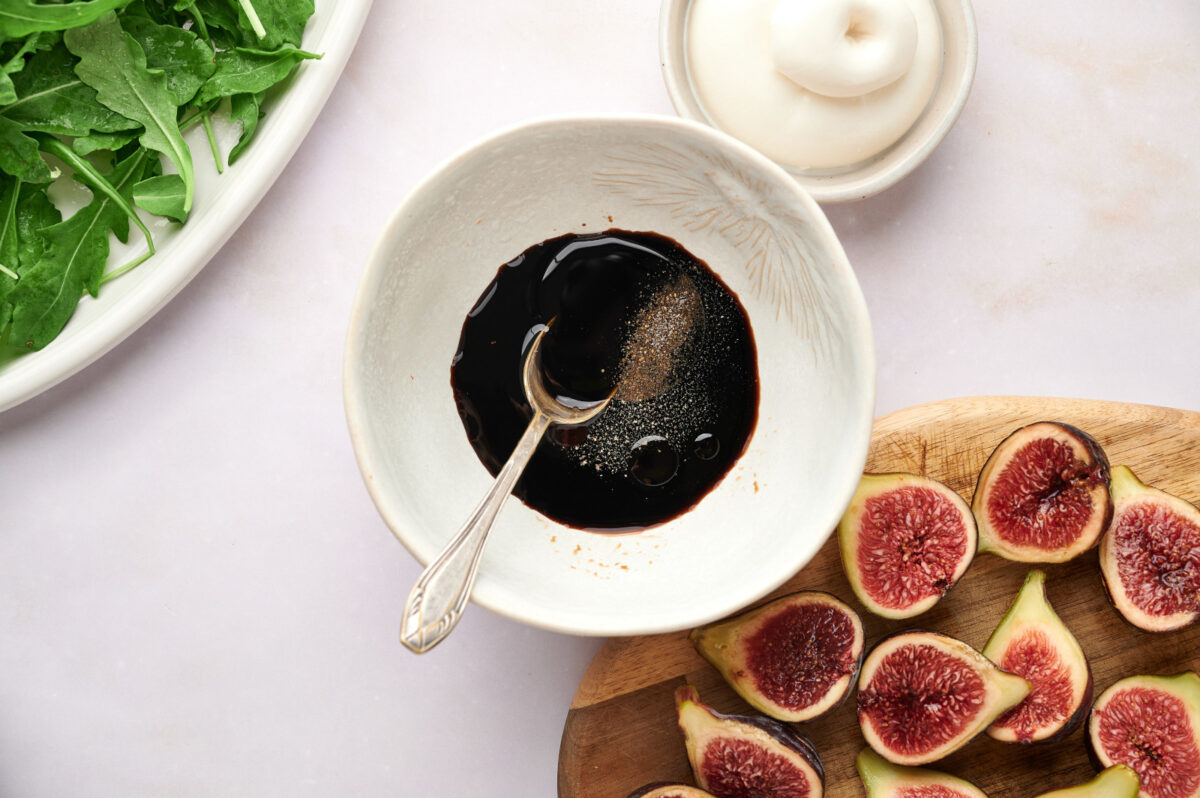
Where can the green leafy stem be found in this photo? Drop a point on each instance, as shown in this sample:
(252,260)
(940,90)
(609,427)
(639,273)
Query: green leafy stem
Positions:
(89,175)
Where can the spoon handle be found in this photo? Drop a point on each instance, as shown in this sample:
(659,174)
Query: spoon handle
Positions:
(438,599)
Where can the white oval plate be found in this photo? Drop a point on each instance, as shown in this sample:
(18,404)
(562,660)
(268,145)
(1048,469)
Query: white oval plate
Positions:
(222,203)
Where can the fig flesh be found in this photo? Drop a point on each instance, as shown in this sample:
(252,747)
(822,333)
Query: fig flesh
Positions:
(1033,642)
(793,659)
(1117,781)
(922,695)
(882,779)
(1150,556)
(1042,495)
(905,540)
(669,789)
(1152,725)
(741,756)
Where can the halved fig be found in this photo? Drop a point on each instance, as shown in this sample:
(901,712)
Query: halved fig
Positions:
(743,756)
(1117,781)
(1151,724)
(1043,494)
(1033,642)
(882,779)
(1150,557)
(669,789)
(905,540)
(922,695)
(793,659)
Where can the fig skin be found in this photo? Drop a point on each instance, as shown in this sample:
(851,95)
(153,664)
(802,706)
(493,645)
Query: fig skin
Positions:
(701,725)
(1000,691)
(1088,476)
(882,779)
(1131,495)
(1117,781)
(1031,612)
(730,646)
(669,789)
(1183,688)
(908,544)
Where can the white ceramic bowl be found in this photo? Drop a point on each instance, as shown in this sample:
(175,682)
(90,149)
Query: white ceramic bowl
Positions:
(727,205)
(960,43)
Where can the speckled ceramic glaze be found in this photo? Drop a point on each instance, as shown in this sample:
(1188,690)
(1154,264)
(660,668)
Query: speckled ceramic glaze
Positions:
(729,206)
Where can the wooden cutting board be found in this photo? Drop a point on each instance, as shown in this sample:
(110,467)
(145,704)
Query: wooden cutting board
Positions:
(621,733)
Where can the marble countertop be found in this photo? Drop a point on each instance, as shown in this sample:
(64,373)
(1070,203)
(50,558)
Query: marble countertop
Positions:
(197,596)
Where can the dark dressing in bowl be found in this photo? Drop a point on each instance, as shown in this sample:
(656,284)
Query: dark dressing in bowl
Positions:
(633,315)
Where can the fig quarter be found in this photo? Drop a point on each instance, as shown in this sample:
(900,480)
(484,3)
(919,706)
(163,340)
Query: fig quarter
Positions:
(905,540)
(794,658)
(923,695)
(1042,495)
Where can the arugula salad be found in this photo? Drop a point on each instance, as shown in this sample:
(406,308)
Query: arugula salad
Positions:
(101,92)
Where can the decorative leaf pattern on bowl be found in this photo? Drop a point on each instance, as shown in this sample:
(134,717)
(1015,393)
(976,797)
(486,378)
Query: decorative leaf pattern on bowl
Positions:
(709,194)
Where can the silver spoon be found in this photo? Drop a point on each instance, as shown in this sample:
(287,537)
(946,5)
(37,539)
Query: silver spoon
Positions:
(438,599)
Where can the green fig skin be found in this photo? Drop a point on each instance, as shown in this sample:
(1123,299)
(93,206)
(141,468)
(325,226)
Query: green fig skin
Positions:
(1181,693)
(702,727)
(1090,478)
(1130,495)
(1117,781)
(826,668)
(894,654)
(874,489)
(882,779)
(1030,617)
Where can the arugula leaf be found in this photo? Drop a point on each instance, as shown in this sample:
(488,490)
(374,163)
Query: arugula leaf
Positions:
(186,59)
(247,109)
(282,20)
(197,19)
(123,185)
(86,145)
(114,64)
(157,10)
(251,17)
(35,212)
(19,154)
(10,192)
(248,71)
(75,255)
(220,21)
(88,175)
(162,196)
(52,99)
(21,17)
(15,63)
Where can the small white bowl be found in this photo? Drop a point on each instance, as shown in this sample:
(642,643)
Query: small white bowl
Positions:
(727,205)
(960,50)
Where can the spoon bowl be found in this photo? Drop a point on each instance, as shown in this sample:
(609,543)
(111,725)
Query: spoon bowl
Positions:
(544,402)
